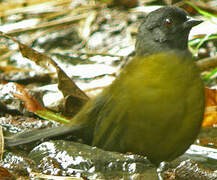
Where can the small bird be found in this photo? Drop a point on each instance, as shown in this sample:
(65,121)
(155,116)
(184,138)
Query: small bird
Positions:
(154,107)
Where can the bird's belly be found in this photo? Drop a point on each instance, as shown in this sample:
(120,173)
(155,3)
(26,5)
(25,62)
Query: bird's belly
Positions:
(165,122)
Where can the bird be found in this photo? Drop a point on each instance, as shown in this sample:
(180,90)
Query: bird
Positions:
(155,106)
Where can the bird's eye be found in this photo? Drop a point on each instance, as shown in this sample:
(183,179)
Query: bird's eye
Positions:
(168,22)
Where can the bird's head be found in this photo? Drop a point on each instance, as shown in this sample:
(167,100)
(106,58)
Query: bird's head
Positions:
(164,29)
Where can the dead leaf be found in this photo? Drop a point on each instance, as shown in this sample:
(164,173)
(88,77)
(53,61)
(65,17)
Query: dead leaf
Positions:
(32,105)
(30,102)
(210,116)
(65,84)
(5,174)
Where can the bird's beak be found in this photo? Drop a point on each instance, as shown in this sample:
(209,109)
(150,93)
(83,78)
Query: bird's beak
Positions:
(191,23)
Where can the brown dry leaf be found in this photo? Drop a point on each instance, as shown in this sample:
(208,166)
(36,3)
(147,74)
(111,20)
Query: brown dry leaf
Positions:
(65,84)
(30,102)
(5,174)
(210,116)
(32,105)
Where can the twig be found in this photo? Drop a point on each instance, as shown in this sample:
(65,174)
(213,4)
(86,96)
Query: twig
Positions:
(58,22)
(207,63)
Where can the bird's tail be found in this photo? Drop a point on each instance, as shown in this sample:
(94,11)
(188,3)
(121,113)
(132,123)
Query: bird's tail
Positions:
(31,136)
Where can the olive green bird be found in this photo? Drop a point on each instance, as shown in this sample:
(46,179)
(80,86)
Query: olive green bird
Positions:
(155,107)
